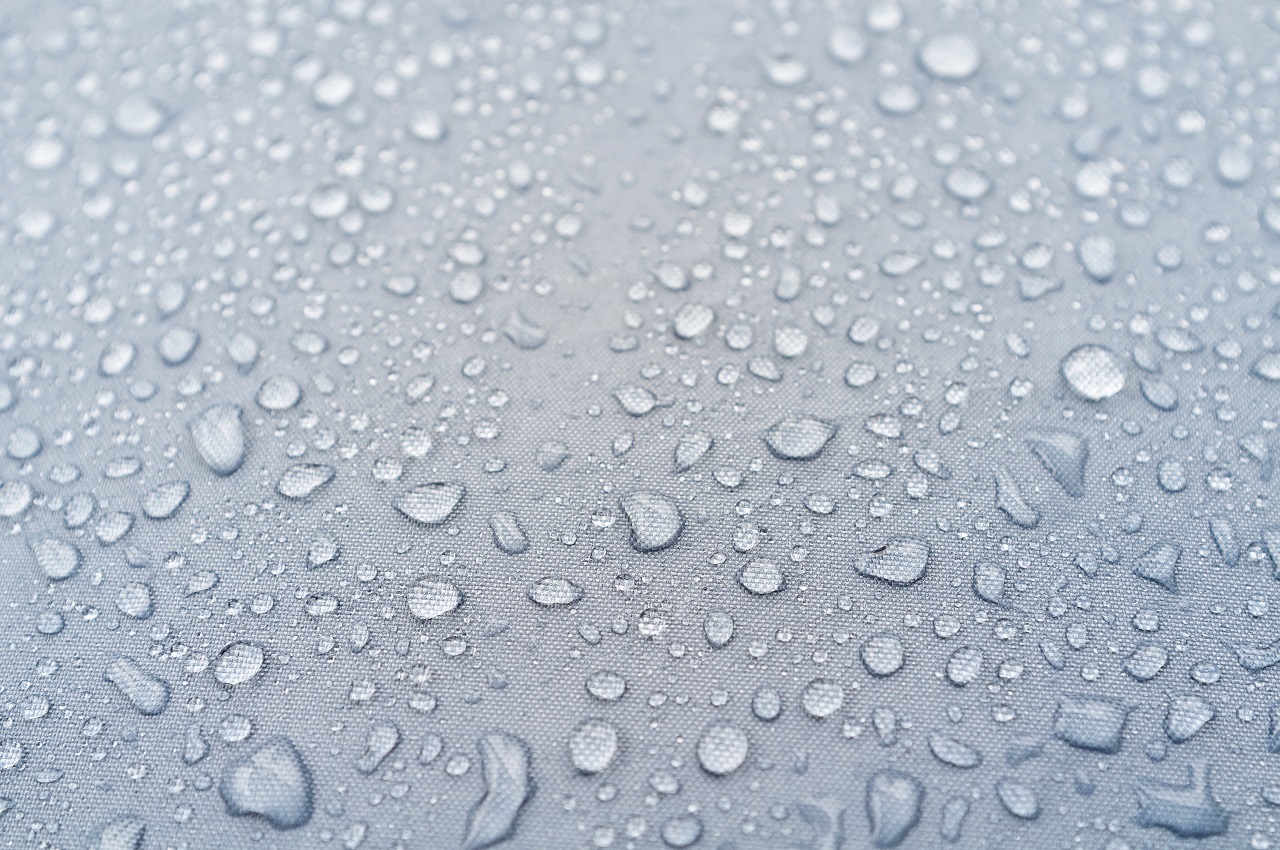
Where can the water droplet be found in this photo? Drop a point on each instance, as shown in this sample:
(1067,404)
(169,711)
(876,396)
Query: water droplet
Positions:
(432,598)
(894,799)
(57,559)
(148,694)
(898,562)
(138,117)
(508,784)
(593,744)
(302,479)
(431,504)
(655,520)
(820,698)
(1093,372)
(1018,799)
(722,749)
(1090,723)
(798,437)
(238,662)
(952,57)
(554,592)
(272,781)
(218,435)
(762,578)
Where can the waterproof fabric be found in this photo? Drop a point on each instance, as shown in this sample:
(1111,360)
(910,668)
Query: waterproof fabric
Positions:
(639,424)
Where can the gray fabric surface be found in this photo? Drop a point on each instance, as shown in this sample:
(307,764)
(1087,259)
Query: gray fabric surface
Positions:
(717,424)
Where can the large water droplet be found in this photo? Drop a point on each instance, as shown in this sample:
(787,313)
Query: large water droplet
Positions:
(1093,372)
(655,520)
(270,780)
(431,504)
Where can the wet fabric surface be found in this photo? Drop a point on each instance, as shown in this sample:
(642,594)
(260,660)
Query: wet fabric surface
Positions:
(728,425)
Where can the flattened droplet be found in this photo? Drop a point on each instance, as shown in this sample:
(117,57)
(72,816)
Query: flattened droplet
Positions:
(1018,799)
(967,184)
(333,90)
(508,782)
(691,320)
(1267,367)
(722,749)
(845,45)
(1009,500)
(135,600)
(637,401)
(238,662)
(593,745)
(1146,662)
(883,654)
(1093,372)
(278,394)
(1271,545)
(524,333)
(899,562)
(1186,809)
(954,811)
(57,559)
(1273,729)
(821,698)
(1255,659)
(762,578)
(551,455)
(928,460)
(24,443)
(164,501)
(1089,723)
(606,686)
(272,781)
(989,583)
(383,738)
(243,351)
(177,345)
(138,117)
(682,831)
(432,598)
(321,551)
(1159,564)
(123,833)
(554,592)
(302,479)
(15,497)
(431,504)
(859,374)
(1224,537)
(656,521)
(1064,454)
(149,694)
(766,705)
(718,628)
(952,57)
(428,126)
(508,535)
(1097,256)
(691,449)
(798,437)
(218,435)
(1160,395)
(786,71)
(1179,341)
(1186,716)
(955,753)
(893,804)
